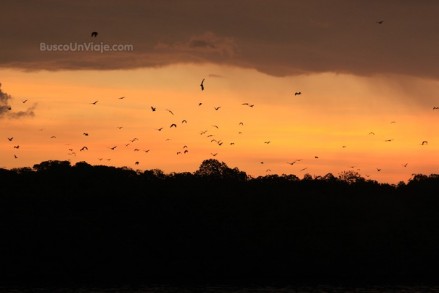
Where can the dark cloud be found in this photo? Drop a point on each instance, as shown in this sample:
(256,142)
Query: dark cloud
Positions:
(7,111)
(279,37)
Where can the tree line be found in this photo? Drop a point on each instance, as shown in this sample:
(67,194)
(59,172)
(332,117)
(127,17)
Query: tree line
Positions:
(84,223)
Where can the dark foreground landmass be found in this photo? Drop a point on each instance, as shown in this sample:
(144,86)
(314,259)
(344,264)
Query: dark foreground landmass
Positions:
(83,223)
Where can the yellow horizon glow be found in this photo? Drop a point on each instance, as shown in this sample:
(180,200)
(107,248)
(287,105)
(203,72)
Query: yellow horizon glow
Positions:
(334,110)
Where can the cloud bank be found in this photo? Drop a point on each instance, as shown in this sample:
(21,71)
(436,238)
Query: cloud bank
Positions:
(279,38)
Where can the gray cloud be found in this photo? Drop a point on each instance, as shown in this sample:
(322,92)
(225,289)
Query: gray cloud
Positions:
(7,111)
(280,37)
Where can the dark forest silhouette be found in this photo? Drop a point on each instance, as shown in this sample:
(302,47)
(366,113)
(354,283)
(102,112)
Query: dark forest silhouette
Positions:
(84,223)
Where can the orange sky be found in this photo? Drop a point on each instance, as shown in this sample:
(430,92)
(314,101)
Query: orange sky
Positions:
(334,110)
(359,64)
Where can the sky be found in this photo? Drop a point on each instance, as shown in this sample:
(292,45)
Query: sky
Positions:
(367,71)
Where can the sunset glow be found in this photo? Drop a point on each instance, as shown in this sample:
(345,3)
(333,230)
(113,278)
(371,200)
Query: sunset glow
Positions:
(340,121)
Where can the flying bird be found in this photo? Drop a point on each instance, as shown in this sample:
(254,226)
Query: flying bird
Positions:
(304,169)
(170,111)
(216,126)
(202,85)
(24,101)
(240,123)
(10,138)
(185,151)
(16,146)
(267,142)
(94,103)
(134,139)
(160,129)
(137,163)
(153,108)
(121,98)
(113,148)
(378,169)
(435,108)
(389,140)
(405,165)
(119,127)
(85,134)
(94,34)
(214,154)
(53,136)
(297,93)
(199,104)
(216,108)
(173,125)
(371,133)
(380,21)
(184,121)
(15,157)
(84,148)
(424,142)
(146,151)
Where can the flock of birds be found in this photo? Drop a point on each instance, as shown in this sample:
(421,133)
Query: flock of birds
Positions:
(210,136)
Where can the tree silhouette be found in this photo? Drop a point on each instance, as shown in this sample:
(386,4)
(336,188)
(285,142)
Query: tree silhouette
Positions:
(216,169)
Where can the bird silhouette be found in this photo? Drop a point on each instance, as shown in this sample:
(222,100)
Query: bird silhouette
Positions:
(146,151)
(379,169)
(371,133)
(160,129)
(119,127)
(267,142)
(435,108)
(121,98)
(10,138)
(240,123)
(268,170)
(380,21)
(16,146)
(173,125)
(405,165)
(214,154)
(137,163)
(185,146)
(216,126)
(24,101)
(85,134)
(113,148)
(15,157)
(316,157)
(202,85)
(94,34)
(297,93)
(424,142)
(178,153)
(94,103)
(303,169)
(244,104)
(134,139)
(170,111)
(232,143)
(136,150)
(199,104)
(217,108)
(84,148)
(184,121)
(185,151)
(153,108)
(53,136)
(389,140)
(262,163)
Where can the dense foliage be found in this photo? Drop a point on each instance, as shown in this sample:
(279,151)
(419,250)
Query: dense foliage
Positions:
(86,223)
